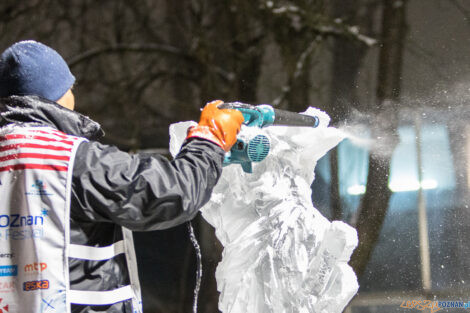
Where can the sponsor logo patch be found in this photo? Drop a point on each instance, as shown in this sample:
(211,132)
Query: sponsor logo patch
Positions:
(35,267)
(21,227)
(17,220)
(35,285)
(7,286)
(39,188)
(8,270)
(3,306)
(12,234)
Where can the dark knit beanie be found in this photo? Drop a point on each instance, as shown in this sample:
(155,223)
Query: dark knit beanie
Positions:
(32,68)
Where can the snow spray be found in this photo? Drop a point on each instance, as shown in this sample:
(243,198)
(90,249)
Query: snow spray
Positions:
(447,106)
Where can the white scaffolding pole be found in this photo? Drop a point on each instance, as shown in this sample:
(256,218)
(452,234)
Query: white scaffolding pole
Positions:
(422,216)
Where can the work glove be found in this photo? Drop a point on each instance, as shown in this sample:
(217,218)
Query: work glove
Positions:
(219,126)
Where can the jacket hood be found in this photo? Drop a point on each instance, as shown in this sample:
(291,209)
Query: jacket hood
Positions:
(39,111)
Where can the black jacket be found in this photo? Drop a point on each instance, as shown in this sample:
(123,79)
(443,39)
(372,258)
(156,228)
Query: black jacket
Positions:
(111,188)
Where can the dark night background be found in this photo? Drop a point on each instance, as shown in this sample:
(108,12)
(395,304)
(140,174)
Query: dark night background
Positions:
(144,64)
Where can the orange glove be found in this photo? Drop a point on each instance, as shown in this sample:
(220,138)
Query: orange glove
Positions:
(220,126)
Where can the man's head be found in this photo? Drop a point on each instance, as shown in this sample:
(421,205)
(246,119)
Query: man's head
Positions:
(32,68)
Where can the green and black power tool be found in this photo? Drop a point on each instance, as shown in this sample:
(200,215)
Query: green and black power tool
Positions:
(255,148)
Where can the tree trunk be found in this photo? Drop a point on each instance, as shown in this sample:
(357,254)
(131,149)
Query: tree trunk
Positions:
(347,59)
(241,59)
(374,205)
(298,85)
(247,47)
(185,106)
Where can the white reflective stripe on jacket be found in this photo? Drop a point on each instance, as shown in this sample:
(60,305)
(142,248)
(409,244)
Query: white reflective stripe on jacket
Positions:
(35,189)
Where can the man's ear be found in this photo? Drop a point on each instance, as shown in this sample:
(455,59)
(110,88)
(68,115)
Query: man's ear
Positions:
(67,100)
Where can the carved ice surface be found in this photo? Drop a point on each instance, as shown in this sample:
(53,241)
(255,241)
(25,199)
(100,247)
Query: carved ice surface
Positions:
(280,254)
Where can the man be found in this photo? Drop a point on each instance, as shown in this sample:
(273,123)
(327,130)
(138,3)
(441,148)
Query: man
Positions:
(68,204)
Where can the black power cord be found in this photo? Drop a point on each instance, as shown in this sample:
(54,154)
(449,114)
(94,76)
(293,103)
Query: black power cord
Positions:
(197,248)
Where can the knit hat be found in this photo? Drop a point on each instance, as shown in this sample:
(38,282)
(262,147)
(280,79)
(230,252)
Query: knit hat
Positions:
(32,68)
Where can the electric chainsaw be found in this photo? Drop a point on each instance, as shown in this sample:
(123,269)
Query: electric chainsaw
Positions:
(255,147)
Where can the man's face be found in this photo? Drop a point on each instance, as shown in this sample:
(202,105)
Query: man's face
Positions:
(67,100)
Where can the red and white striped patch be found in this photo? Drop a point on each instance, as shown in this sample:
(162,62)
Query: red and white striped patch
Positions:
(39,148)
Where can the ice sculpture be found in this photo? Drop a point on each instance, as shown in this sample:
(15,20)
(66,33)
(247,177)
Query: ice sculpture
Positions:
(280,254)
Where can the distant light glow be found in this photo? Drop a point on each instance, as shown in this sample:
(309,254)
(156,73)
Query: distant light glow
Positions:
(397,186)
(412,185)
(356,190)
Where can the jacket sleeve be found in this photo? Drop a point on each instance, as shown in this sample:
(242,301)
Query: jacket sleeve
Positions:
(143,192)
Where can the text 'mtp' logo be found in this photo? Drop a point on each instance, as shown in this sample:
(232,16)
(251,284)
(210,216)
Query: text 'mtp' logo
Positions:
(35,267)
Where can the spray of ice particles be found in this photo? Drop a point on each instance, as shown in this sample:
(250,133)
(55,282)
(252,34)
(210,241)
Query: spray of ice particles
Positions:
(280,254)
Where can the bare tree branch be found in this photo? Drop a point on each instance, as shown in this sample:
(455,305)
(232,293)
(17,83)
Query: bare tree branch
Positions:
(340,29)
(118,48)
(299,68)
(462,9)
(300,18)
(13,11)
